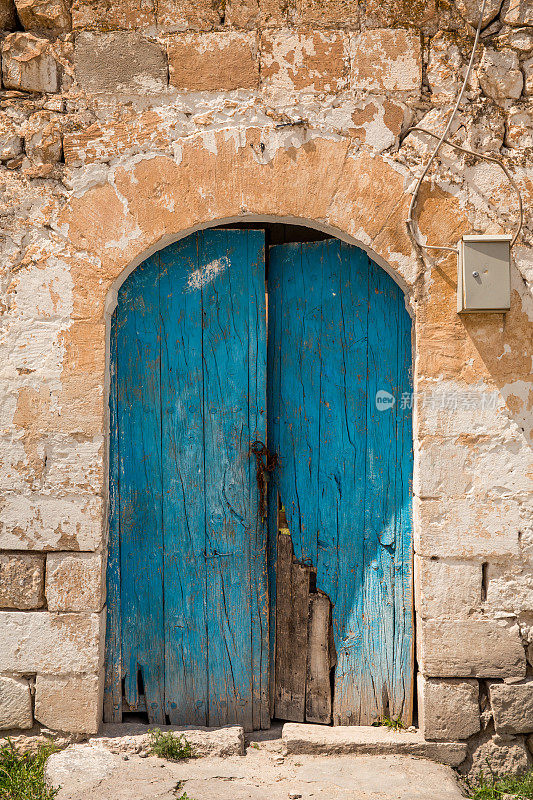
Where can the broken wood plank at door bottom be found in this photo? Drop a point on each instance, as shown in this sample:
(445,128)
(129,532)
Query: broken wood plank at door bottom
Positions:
(318,685)
(304,650)
(292,610)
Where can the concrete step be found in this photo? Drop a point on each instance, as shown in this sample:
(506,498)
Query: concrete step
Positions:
(367,740)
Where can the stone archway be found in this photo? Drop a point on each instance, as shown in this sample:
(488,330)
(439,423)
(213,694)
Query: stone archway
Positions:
(260,174)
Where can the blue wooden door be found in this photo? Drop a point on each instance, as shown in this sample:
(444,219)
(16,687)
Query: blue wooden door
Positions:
(339,334)
(191,611)
(187,635)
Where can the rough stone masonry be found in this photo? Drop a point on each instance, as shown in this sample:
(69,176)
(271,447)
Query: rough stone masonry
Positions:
(125,125)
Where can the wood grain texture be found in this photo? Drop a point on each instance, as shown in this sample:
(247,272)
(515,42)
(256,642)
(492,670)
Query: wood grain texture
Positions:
(404,629)
(113,647)
(186,643)
(235,634)
(190,353)
(257,422)
(333,343)
(318,684)
(292,614)
(140,483)
(273,425)
(191,608)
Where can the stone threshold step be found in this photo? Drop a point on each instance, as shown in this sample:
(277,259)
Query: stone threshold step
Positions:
(300,738)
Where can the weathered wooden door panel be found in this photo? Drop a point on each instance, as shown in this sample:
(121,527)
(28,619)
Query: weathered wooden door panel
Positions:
(190,397)
(234,416)
(183,487)
(140,515)
(338,333)
(113,634)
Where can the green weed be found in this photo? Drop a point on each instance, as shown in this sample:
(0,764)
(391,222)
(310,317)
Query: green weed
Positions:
(173,747)
(390,723)
(184,796)
(22,774)
(494,787)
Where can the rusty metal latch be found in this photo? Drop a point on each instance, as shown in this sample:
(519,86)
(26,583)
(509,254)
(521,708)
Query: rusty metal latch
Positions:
(266,462)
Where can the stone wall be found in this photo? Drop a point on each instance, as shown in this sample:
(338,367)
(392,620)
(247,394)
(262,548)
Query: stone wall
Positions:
(125,125)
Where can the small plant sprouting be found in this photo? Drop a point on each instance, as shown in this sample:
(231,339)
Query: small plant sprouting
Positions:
(178,793)
(496,787)
(22,774)
(390,723)
(173,747)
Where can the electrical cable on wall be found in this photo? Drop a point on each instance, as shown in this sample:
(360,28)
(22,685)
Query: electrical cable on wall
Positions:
(444,140)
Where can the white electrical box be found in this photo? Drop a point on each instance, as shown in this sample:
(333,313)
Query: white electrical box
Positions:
(484,274)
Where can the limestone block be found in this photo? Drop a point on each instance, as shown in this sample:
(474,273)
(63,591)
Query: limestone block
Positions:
(242,14)
(428,16)
(528,76)
(74,582)
(74,464)
(519,39)
(53,15)
(470,648)
(43,642)
(435,122)
(220,61)
(484,132)
(377,121)
(21,581)
(250,14)
(40,289)
(454,409)
(7,15)
(446,589)
(300,738)
(119,62)
(445,71)
(20,462)
(41,522)
(185,15)
(506,755)
(517,12)
(448,710)
(459,466)
(468,527)
(500,76)
(80,766)
(386,59)
(15,703)
(43,138)
(469,10)
(132,737)
(312,62)
(10,140)
(120,14)
(37,346)
(69,703)
(512,707)
(315,12)
(510,587)
(29,64)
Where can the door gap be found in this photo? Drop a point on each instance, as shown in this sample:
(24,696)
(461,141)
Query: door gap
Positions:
(140,683)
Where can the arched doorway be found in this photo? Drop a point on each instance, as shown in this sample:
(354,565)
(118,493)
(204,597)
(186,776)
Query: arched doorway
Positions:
(229,601)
